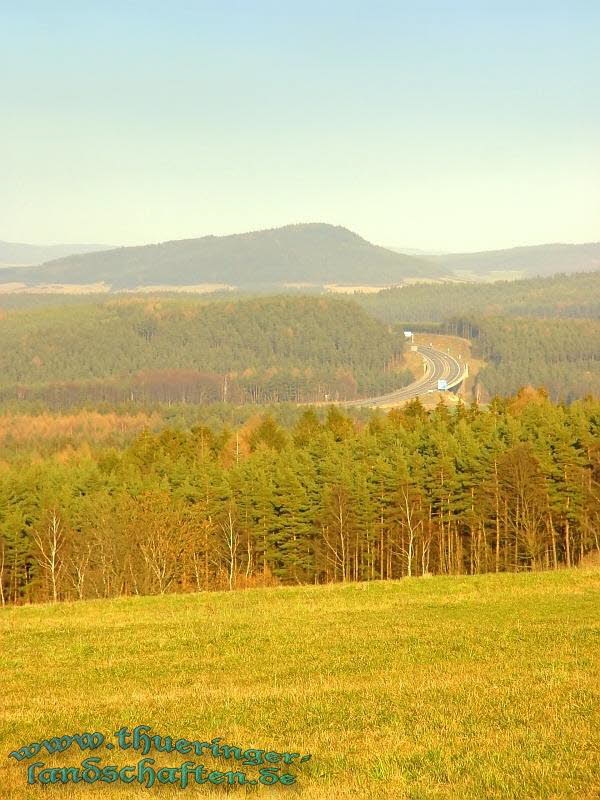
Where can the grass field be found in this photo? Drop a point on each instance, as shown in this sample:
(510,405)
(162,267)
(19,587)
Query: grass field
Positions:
(462,688)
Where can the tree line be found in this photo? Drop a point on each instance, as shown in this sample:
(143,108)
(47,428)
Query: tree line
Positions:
(259,350)
(562,355)
(412,492)
(569,296)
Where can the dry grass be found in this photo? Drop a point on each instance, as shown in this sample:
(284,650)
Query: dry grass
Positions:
(341,289)
(445,688)
(79,426)
(55,288)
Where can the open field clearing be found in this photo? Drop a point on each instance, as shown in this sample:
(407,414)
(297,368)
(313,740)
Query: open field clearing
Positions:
(55,288)
(445,687)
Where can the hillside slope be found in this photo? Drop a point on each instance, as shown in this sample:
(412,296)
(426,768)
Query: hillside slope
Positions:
(17,254)
(274,348)
(543,259)
(313,253)
(447,688)
(562,355)
(576,295)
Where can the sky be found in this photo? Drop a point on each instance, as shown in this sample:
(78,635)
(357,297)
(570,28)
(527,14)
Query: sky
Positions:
(444,126)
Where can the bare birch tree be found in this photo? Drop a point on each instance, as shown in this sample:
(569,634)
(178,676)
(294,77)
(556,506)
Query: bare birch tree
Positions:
(50,542)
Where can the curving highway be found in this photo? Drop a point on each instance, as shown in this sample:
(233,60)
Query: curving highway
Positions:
(438,366)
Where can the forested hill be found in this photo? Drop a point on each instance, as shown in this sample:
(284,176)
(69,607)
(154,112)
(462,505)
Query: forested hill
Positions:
(262,349)
(560,355)
(538,260)
(557,296)
(542,331)
(312,253)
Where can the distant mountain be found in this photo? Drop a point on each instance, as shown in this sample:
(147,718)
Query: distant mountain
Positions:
(16,254)
(538,260)
(309,253)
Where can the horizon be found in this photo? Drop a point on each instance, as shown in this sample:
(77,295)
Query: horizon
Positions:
(464,130)
(415,251)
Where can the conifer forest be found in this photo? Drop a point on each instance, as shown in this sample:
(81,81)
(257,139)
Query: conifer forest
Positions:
(513,487)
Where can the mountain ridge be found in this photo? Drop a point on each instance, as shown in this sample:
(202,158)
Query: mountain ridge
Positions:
(311,252)
(532,260)
(306,253)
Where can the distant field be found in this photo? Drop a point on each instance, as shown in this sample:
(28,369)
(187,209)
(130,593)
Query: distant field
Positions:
(462,688)
(55,288)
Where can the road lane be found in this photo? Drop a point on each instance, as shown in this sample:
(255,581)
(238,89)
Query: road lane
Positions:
(438,366)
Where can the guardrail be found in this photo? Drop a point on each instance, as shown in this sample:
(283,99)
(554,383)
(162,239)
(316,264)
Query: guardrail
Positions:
(457,381)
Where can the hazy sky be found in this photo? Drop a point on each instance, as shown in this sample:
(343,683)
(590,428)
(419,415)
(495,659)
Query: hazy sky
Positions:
(446,126)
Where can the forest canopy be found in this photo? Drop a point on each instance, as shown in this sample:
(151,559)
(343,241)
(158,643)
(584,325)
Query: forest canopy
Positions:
(562,355)
(310,252)
(512,488)
(257,350)
(540,332)
(557,296)
(62,352)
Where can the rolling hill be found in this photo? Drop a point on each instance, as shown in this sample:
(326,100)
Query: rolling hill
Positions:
(308,253)
(537,260)
(14,254)
(575,295)
(456,681)
(262,349)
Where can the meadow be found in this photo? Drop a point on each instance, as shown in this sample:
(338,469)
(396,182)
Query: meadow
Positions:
(439,688)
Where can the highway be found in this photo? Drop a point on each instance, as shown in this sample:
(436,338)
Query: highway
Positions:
(437,366)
